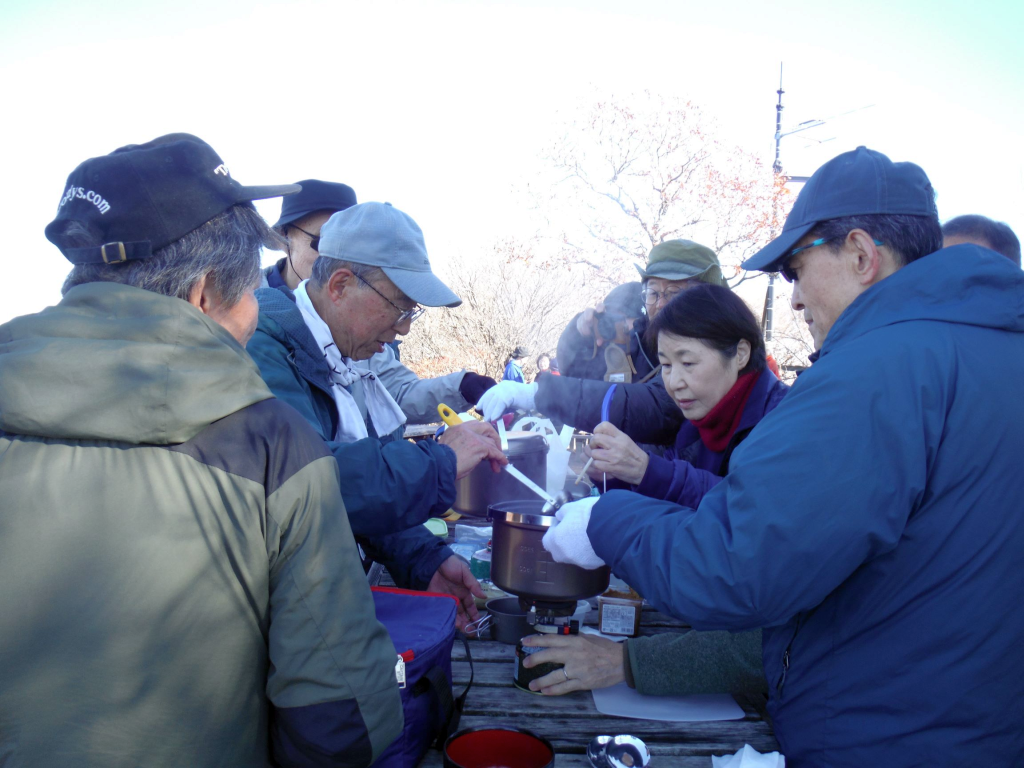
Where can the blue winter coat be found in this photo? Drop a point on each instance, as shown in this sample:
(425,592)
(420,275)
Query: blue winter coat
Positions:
(691,469)
(874,522)
(513,372)
(390,486)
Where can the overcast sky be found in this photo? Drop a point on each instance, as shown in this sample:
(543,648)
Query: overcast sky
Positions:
(442,108)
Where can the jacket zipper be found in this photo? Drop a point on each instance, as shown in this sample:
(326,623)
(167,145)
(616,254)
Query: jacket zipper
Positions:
(785,656)
(785,669)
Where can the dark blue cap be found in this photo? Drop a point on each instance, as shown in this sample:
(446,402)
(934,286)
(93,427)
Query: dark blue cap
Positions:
(316,196)
(856,183)
(142,197)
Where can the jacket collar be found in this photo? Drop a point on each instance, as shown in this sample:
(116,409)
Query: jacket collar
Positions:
(963,284)
(281,319)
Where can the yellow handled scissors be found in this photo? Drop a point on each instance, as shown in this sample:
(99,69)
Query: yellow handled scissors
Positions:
(448,416)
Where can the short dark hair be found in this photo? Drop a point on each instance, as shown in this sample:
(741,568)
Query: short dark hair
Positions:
(908,238)
(227,248)
(716,316)
(994,234)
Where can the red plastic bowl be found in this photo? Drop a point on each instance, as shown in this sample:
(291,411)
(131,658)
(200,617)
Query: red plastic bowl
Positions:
(498,748)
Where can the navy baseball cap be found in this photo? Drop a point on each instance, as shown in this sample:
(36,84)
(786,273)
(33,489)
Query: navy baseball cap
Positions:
(315,196)
(142,197)
(380,235)
(857,183)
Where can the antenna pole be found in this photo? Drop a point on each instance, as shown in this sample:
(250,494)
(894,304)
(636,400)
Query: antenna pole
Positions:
(777,167)
(769,298)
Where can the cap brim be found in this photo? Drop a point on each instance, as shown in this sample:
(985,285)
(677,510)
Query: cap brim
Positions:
(263,193)
(423,287)
(769,258)
(293,216)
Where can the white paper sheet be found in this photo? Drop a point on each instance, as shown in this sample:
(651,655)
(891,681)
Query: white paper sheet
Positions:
(622,701)
(598,633)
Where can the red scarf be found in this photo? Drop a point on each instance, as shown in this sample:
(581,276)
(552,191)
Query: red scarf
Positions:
(717,428)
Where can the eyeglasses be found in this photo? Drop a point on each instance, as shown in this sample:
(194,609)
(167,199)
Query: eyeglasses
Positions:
(405,314)
(789,274)
(652,297)
(314,240)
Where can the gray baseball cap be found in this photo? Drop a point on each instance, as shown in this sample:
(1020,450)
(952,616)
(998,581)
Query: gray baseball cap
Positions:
(380,235)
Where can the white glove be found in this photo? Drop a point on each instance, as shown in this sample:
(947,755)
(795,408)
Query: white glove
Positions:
(567,539)
(505,395)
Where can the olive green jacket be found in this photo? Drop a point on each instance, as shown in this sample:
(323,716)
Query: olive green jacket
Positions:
(178,581)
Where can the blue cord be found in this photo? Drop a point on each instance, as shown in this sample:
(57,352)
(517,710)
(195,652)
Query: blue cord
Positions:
(606,404)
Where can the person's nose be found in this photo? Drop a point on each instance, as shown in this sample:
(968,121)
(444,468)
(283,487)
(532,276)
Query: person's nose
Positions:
(674,382)
(796,298)
(403,327)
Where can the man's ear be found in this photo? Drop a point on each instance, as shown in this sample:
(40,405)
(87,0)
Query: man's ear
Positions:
(202,296)
(869,264)
(339,281)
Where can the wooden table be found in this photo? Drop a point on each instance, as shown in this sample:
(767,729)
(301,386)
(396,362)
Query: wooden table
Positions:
(570,721)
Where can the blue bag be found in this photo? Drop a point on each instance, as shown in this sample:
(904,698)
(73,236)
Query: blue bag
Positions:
(422,627)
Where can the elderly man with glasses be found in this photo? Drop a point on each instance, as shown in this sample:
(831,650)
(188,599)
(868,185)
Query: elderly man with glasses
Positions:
(366,287)
(872,522)
(302,218)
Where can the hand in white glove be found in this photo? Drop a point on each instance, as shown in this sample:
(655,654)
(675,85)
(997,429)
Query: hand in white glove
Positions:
(567,539)
(505,395)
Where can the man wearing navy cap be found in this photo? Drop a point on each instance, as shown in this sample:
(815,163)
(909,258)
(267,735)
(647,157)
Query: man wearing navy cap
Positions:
(872,523)
(302,216)
(180,582)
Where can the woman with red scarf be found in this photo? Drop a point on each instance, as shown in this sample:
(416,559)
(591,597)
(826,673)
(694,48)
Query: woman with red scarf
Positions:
(714,367)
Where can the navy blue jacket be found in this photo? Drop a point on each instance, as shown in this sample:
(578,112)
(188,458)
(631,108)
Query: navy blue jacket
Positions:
(873,523)
(390,486)
(578,358)
(645,411)
(691,469)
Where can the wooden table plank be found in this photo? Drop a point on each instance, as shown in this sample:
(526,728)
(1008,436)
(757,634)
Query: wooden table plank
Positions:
(570,721)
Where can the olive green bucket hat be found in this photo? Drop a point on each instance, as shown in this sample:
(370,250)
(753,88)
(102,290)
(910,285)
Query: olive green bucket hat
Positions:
(683,260)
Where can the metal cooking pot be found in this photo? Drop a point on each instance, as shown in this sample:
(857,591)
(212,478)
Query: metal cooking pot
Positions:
(521,566)
(481,488)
